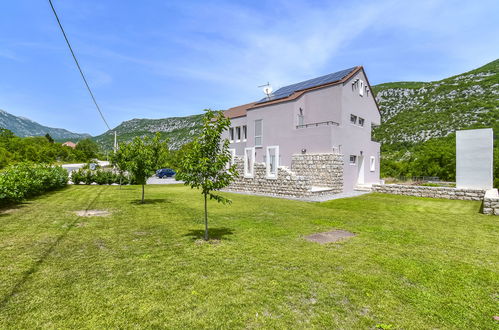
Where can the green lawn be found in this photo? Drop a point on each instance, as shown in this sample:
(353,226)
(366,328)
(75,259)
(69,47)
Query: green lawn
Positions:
(415,262)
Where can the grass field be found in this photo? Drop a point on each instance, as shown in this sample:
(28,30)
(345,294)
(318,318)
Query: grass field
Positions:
(415,263)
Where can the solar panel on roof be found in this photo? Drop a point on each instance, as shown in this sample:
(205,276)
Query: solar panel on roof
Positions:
(288,90)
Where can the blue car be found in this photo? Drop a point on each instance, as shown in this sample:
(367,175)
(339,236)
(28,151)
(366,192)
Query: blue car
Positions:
(165,173)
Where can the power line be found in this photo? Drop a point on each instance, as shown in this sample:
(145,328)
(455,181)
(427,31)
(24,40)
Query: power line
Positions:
(78,65)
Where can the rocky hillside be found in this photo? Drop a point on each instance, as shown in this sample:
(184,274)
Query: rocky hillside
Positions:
(179,130)
(414,112)
(24,127)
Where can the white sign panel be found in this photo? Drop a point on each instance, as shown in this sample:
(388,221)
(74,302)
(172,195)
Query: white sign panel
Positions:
(474,158)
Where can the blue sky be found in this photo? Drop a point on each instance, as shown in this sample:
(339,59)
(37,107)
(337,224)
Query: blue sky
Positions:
(156,59)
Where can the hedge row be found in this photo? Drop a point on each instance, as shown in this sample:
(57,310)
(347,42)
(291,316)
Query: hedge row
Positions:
(86,176)
(23,180)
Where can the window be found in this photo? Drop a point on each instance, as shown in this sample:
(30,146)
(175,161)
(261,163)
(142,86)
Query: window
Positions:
(258,133)
(353,119)
(231,134)
(245,132)
(238,133)
(272,161)
(249,161)
(372,163)
(361,87)
(361,122)
(353,159)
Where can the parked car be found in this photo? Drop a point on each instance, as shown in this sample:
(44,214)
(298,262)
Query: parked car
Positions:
(165,173)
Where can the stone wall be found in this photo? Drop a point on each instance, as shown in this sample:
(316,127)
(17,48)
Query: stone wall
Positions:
(291,184)
(323,170)
(434,192)
(491,202)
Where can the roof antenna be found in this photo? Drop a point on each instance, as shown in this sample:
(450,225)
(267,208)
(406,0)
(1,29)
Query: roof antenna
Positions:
(267,89)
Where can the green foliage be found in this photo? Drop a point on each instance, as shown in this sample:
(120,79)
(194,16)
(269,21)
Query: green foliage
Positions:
(23,180)
(141,158)
(419,120)
(177,130)
(40,149)
(100,177)
(49,138)
(204,165)
(88,149)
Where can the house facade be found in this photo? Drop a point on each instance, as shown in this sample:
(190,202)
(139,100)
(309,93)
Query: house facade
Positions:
(329,115)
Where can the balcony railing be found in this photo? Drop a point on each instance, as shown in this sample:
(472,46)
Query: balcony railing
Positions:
(322,123)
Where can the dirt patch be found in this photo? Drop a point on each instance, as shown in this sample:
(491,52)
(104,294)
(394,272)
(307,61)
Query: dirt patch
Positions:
(329,236)
(92,213)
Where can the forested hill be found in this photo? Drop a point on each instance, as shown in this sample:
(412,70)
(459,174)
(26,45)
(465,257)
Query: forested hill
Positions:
(418,120)
(417,111)
(24,127)
(178,130)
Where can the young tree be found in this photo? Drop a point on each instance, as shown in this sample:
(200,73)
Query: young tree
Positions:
(204,166)
(142,157)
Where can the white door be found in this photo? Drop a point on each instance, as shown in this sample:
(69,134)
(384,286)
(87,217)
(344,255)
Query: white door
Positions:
(360,177)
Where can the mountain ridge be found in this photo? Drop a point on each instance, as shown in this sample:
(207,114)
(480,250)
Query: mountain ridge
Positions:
(24,127)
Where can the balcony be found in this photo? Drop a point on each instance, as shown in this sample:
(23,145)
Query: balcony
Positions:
(322,123)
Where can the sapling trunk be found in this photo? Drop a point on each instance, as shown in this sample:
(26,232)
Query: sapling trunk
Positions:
(142,194)
(205,218)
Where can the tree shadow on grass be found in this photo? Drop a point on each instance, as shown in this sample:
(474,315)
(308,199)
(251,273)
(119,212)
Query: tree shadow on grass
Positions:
(11,208)
(150,201)
(214,233)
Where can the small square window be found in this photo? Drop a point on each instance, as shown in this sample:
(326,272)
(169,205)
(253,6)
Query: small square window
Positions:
(361,121)
(353,119)
(353,159)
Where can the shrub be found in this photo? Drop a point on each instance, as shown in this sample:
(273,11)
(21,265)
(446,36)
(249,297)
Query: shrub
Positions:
(23,180)
(100,177)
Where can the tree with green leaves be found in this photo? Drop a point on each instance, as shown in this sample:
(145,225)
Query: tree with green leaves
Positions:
(88,149)
(204,166)
(49,138)
(142,157)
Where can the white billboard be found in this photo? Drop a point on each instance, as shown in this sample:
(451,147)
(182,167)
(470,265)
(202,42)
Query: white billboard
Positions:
(474,158)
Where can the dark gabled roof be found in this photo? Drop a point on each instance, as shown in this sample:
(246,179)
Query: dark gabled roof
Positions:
(295,91)
(286,91)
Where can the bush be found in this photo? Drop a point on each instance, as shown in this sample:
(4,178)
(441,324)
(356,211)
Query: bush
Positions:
(18,182)
(99,177)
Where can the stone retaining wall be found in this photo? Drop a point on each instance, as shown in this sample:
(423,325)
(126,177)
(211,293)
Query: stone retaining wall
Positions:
(323,170)
(434,192)
(289,183)
(491,202)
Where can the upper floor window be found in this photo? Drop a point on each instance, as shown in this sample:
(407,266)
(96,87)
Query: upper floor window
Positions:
(258,132)
(231,134)
(238,133)
(245,132)
(353,159)
(353,119)
(361,87)
(361,121)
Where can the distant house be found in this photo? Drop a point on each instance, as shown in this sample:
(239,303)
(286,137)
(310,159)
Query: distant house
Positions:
(317,133)
(69,144)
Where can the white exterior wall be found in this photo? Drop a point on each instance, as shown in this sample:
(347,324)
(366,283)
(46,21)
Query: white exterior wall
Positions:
(333,103)
(356,140)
